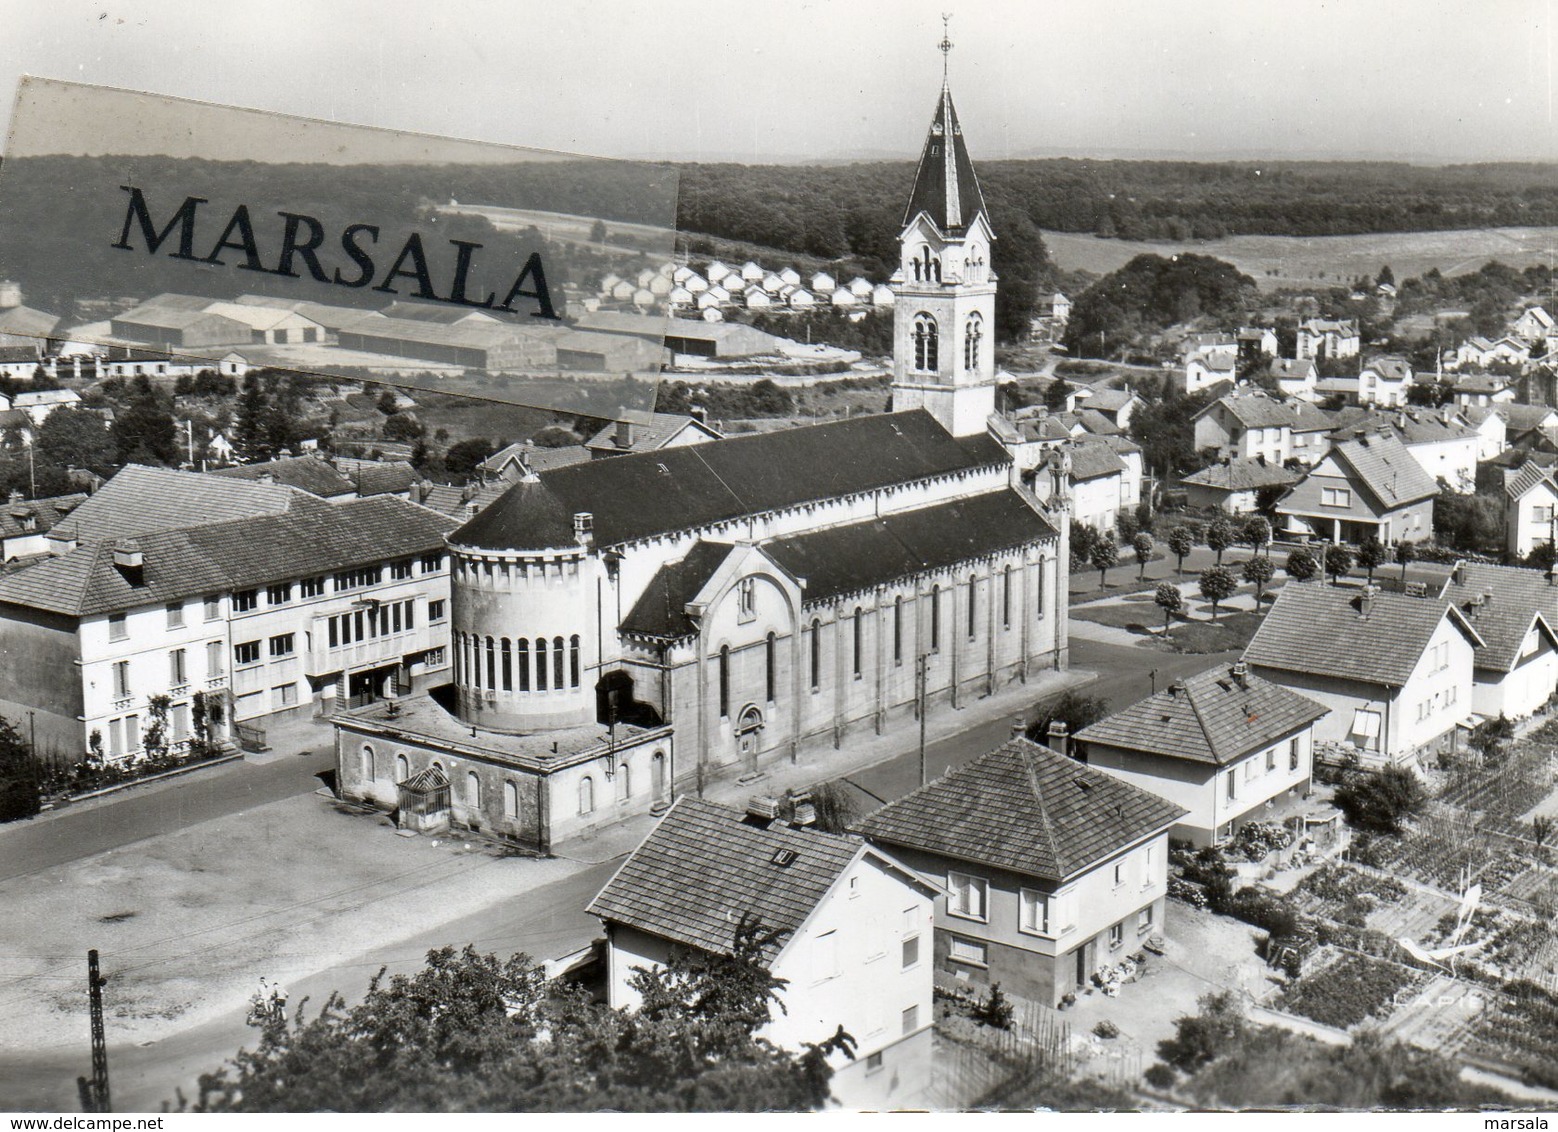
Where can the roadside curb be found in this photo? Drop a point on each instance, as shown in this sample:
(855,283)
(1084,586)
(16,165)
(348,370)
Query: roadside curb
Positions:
(176,772)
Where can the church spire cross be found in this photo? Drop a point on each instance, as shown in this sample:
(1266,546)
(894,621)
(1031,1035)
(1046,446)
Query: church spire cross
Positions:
(945,46)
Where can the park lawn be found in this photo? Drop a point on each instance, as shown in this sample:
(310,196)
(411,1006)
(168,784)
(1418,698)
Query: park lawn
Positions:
(1136,616)
(1231,631)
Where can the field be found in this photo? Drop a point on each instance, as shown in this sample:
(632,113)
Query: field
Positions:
(1322,261)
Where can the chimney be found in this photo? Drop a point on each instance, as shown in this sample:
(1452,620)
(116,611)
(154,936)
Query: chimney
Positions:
(266,477)
(1366,601)
(16,496)
(1458,575)
(762,808)
(803,813)
(1241,672)
(61,540)
(624,435)
(127,555)
(1019,727)
(1059,740)
(1260,458)
(699,414)
(584,528)
(1552,575)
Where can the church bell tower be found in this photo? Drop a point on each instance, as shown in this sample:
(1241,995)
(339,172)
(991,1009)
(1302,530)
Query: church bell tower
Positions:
(944,289)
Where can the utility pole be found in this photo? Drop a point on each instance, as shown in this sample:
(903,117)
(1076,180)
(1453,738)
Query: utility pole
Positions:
(98,1086)
(922,666)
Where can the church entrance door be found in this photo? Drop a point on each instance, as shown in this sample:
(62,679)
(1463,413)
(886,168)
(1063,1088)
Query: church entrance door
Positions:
(749,726)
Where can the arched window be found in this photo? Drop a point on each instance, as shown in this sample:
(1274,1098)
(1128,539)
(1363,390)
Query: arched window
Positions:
(402,769)
(770,667)
(492,667)
(816,654)
(927,355)
(1039,602)
(586,795)
(367,763)
(558,660)
(973,605)
(1006,597)
(508,666)
(973,334)
(935,618)
(657,781)
(898,630)
(624,782)
(540,664)
(859,640)
(472,790)
(573,661)
(724,682)
(511,800)
(522,662)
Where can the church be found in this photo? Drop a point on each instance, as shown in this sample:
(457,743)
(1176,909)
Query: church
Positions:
(625,631)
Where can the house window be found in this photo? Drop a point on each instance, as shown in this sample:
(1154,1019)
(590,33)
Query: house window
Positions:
(1293,754)
(724,682)
(247,652)
(968,951)
(431,563)
(1336,497)
(1039,594)
(1117,935)
(1033,912)
(121,678)
(873,1062)
(284,695)
(973,605)
(177,673)
(180,722)
(508,666)
(213,658)
(435,610)
(312,587)
(827,949)
(1006,598)
(278,594)
(540,664)
(521,661)
(1144,920)
(213,607)
(402,768)
(770,667)
(973,334)
(586,795)
(116,627)
(911,951)
(283,644)
(245,600)
(1271,759)
(911,1019)
(926,344)
(400,571)
(472,790)
(968,895)
(573,661)
(1119,873)
(1233,786)
(175,614)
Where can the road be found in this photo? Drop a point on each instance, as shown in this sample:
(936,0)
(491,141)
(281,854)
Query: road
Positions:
(547,922)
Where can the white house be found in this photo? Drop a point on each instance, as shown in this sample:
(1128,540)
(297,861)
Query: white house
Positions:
(1384,382)
(1394,670)
(823,284)
(1534,325)
(1206,368)
(1515,613)
(851,934)
(1223,745)
(1482,352)
(1492,432)
(1052,869)
(1328,338)
(1483,389)
(1530,507)
(1295,377)
(1249,425)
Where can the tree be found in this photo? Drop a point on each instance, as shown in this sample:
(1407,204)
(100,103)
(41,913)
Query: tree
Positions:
(1381,801)
(1142,544)
(251,441)
(1218,585)
(1258,571)
(470,1032)
(1256,531)
(1371,552)
(555,436)
(1083,539)
(1201,1038)
(1386,276)
(1219,536)
(387,403)
(1104,555)
(1168,598)
(403,426)
(1181,542)
(143,430)
(1338,561)
(20,794)
(1302,565)
(1406,553)
(76,438)
(465,456)
(1074,709)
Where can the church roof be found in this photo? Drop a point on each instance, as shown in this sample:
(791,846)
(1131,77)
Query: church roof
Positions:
(945,187)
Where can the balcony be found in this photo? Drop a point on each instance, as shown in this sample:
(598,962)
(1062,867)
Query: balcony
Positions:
(390,648)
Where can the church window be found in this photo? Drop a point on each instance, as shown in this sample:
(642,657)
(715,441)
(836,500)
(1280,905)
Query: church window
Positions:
(859,641)
(508,666)
(1040,600)
(746,598)
(816,654)
(1006,598)
(522,662)
(898,630)
(540,664)
(935,618)
(492,682)
(724,682)
(557,662)
(927,357)
(573,661)
(973,605)
(511,800)
(973,333)
(473,790)
(586,795)
(771,661)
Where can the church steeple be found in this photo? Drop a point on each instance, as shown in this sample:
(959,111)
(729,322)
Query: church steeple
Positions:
(946,189)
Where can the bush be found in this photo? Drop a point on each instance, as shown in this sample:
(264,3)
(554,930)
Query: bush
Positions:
(994,1009)
(1382,801)
(1106,1029)
(1074,709)
(1201,1038)
(1160,1076)
(20,789)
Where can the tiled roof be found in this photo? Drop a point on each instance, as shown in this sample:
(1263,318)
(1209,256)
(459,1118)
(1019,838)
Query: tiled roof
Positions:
(1293,369)
(858,556)
(1410,426)
(646,436)
(1218,362)
(1518,416)
(1024,808)
(1213,717)
(219,557)
(140,500)
(1512,599)
(1095,422)
(661,610)
(26,320)
(387,478)
(1242,475)
(1529,476)
(1321,630)
(28,354)
(44,513)
(1481,383)
(307,473)
(1092,459)
(1257,410)
(1109,400)
(706,868)
(539,458)
(647,494)
(1390,368)
(1386,468)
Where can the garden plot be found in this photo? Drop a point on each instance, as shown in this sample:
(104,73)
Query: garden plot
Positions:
(1441,1015)
(1345,989)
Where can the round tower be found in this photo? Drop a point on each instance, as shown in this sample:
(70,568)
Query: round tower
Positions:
(522,614)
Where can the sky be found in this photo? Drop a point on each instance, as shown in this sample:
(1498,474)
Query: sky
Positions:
(1420,80)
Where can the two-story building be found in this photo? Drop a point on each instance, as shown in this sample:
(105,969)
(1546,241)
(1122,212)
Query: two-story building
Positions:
(1295,377)
(1328,338)
(1239,487)
(1247,425)
(1530,509)
(1384,382)
(236,601)
(1491,429)
(1224,744)
(1442,444)
(1514,612)
(1051,869)
(1367,485)
(1395,670)
(846,927)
